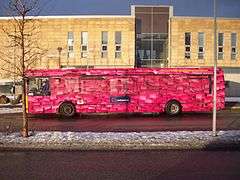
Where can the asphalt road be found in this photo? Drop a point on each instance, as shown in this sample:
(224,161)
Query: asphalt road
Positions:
(120,165)
(123,122)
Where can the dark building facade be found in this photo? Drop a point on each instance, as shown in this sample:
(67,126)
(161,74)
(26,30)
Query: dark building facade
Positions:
(152,35)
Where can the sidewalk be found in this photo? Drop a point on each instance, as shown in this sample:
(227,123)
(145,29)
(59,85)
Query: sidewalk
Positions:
(201,140)
(180,140)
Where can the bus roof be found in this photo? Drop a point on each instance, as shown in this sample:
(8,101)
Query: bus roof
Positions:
(118,71)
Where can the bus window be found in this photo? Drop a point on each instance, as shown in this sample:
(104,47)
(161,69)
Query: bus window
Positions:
(38,87)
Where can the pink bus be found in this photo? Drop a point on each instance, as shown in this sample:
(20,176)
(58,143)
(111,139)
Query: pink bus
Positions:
(170,90)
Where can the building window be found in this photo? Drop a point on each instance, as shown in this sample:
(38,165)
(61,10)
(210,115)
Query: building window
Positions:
(220,46)
(70,44)
(187,45)
(84,44)
(201,45)
(233,46)
(118,46)
(104,48)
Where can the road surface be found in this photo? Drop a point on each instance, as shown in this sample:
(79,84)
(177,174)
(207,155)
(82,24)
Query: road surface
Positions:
(123,122)
(120,165)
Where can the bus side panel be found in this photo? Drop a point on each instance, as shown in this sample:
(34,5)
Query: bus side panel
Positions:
(133,93)
(94,95)
(191,91)
(40,104)
(150,97)
(196,93)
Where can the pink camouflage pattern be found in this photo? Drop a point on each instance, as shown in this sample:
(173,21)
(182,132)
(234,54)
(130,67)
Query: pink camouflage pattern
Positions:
(144,89)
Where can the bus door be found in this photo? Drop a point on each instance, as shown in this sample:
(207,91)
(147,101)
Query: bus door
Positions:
(123,92)
(38,93)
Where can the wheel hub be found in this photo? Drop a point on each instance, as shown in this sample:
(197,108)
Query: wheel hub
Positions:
(174,108)
(68,110)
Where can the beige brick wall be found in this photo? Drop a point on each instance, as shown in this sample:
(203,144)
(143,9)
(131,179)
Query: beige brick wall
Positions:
(53,34)
(180,25)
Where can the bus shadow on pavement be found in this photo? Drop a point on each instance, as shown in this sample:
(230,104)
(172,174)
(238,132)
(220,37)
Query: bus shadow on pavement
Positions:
(119,116)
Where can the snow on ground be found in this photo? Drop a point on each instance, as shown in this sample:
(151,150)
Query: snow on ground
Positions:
(232,99)
(6,110)
(112,140)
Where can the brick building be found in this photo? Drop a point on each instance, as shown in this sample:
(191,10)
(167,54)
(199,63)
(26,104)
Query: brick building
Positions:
(150,36)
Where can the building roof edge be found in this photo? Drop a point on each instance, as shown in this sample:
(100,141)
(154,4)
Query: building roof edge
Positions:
(204,17)
(70,17)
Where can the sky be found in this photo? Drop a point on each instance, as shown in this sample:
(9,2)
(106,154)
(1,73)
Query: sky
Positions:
(204,8)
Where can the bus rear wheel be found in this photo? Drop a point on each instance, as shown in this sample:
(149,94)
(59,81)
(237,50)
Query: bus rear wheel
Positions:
(67,109)
(173,108)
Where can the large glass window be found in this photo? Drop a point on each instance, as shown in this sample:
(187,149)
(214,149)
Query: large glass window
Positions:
(151,36)
(84,44)
(152,48)
(38,87)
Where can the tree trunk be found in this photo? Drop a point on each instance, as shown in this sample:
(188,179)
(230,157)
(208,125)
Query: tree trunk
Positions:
(25,119)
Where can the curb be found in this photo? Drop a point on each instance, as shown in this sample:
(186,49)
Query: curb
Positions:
(10,106)
(215,147)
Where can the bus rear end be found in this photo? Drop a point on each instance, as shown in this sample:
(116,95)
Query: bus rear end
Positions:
(220,90)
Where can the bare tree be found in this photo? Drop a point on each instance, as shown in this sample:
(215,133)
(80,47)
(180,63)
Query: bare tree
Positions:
(21,33)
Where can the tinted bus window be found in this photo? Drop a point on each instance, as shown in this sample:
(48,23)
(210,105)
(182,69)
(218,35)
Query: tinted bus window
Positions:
(38,87)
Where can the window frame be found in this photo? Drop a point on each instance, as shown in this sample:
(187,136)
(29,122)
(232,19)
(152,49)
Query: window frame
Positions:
(39,91)
(201,54)
(84,44)
(220,55)
(104,52)
(70,44)
(234,53)
(118,45)
(187,53)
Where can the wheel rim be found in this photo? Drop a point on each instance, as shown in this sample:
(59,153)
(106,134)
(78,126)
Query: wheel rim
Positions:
(174,108)
(68,109)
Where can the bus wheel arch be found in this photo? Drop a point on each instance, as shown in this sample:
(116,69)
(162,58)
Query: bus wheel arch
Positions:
(67,109)
(173,107)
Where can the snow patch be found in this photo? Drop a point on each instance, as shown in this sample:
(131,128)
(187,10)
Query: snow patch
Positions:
(232,99)
(4,110)
(112,140)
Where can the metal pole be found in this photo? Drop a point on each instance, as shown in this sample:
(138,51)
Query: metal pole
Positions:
(14,59)
(169,63)
(151,54)
(214,122)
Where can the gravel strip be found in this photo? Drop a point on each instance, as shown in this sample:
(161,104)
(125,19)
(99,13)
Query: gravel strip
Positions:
(122,141)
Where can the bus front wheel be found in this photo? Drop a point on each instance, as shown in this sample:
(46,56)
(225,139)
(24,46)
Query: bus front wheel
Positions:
(67,109)
(173,108)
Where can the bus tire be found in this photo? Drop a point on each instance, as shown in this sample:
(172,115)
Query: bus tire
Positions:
(67,109)
(173,108)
